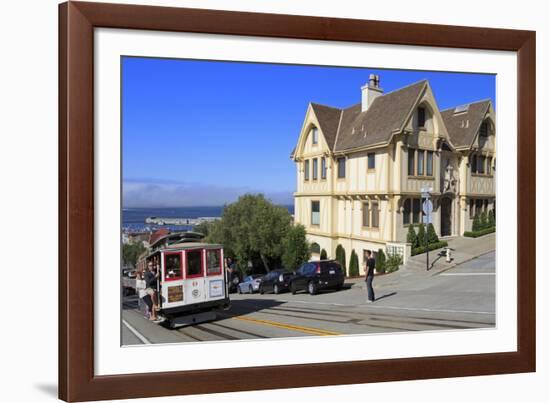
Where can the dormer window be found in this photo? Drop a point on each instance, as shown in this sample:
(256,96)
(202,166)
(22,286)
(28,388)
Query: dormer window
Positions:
(421,116)
(484,130)
(314,136)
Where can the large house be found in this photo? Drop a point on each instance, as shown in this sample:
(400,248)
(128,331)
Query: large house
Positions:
(360,170)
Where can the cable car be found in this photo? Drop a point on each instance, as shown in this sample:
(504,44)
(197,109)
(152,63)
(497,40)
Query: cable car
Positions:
(191,283)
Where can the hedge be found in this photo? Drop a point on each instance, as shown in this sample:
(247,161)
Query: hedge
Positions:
(432,246)
(481,232)
(411,237)
(381,262)
(353,264)
(393,262)
(341,257)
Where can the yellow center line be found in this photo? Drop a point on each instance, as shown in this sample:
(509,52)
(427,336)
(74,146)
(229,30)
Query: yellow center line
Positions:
(303,329)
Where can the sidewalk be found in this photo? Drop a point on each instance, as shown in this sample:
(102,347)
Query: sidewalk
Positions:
(464,249)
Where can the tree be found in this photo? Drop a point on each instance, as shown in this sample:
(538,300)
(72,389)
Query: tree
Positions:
(432,236)
(421,235)
(381,261)
(491,219)
(323,254)
(476,225)
(483,221)
(252,229)
(341,257)
(131,252)
(204,227)
(411,237)
(296,248)
(353,264)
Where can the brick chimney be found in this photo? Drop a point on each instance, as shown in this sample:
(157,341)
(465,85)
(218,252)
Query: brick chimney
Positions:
(370,91)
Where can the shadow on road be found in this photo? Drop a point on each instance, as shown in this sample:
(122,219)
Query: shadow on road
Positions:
(250,305)
(130,302)
(391,294)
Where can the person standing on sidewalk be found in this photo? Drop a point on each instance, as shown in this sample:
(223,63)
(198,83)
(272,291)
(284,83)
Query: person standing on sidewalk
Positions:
(369,270)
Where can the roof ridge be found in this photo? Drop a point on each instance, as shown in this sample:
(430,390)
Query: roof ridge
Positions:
(402,88)
(325,106)
(387,93)
(338,130)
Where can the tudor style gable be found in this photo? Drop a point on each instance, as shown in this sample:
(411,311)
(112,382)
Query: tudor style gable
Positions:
(318,131)
(425,126)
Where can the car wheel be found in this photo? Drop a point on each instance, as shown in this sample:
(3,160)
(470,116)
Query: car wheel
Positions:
(338,287)
(312,288)
(262,289)
(250,290)
(275,289)
(293,288)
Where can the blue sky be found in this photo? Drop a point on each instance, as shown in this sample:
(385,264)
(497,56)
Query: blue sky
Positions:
(203,132)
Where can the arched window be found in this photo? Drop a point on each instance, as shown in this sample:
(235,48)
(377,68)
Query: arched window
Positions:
(407,212)
(421,116)
(314,135)
(315,248)
(416,211)
(366,214)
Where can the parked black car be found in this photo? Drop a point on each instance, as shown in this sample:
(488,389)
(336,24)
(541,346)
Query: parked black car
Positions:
(275,281)
(315,276)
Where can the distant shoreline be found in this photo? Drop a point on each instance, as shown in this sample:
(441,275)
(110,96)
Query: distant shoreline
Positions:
(134,218)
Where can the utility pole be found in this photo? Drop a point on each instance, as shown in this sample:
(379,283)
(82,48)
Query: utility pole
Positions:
(427,209)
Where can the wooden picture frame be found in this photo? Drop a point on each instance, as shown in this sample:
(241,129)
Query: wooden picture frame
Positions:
(77,21)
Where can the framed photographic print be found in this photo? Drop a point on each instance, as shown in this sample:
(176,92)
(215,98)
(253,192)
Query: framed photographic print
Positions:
(290,201)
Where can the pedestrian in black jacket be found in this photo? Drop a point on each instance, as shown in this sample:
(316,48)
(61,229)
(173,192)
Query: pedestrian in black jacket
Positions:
(369,270)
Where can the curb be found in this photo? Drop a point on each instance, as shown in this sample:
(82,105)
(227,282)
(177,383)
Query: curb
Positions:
(453,265)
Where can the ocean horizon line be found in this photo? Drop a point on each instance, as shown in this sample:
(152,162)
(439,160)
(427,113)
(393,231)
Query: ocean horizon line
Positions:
(191,207)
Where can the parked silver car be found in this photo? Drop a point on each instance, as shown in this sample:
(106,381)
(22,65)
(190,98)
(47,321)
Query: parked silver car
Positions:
(250,284)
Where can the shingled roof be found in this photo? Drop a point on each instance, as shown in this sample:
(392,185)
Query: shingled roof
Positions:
(463,122)
(328,118)
(346,129)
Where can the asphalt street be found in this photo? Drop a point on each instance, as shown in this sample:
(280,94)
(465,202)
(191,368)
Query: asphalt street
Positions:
(460,298)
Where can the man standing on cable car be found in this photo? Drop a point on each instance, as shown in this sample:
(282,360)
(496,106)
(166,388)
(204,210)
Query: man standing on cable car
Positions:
(151,277)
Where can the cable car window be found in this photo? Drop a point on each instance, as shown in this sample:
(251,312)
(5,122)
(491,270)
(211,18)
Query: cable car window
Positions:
(194,263)
(213,262)
(172,266)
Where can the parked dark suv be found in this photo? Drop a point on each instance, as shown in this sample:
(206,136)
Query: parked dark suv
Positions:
(315,276)
(275,281)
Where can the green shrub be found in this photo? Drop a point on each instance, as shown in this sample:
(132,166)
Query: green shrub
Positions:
(476,225)
(432,236)
(393,262)
(353,264)
(421,235)
(483,222)
(411,237)
(433,246)
(491,219)
(323,254)
(341,257)
(381,261)
(478,233)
